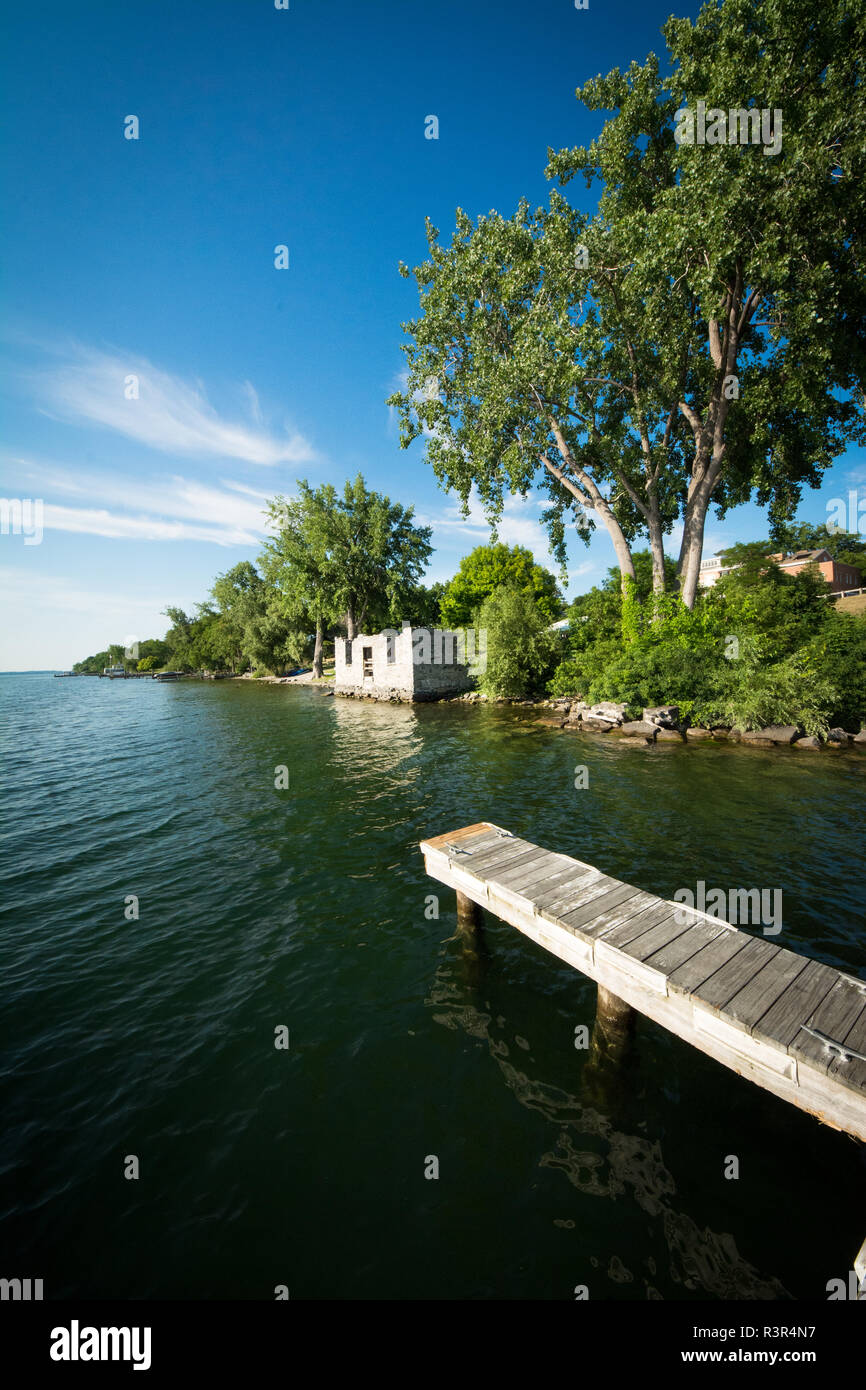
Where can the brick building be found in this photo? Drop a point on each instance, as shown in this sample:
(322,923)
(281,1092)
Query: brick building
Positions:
(839,576)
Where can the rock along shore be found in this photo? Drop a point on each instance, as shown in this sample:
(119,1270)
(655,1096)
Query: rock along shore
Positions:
(662,724)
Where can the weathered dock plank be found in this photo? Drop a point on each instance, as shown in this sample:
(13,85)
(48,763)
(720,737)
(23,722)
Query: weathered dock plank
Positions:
(782,1020)
(794,1026)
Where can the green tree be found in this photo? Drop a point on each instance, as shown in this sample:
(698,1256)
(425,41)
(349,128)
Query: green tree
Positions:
(701,338)
(92,665)
(298,566)
(490,567)
(249,625)
(154,650)
(356,554)
(759,599)
(425,605)
(760,247)
(377,556)
(521,649)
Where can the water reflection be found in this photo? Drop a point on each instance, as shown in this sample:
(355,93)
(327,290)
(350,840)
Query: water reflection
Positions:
(590,1151)
(372,739)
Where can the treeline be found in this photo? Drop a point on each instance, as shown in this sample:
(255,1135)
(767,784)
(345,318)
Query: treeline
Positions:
(761,646)
(345,562)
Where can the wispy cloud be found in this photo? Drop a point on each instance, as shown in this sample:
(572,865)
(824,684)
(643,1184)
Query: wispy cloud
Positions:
(94,521)
(158,509)
(518,525)
(168,414)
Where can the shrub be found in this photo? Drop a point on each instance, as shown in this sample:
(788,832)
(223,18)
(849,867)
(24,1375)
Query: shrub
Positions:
(786,692)
(521,650)
(838,654)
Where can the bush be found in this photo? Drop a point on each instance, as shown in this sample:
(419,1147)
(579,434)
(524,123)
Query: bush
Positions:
(655,671)
(521,650)
(838,654)
(790,691)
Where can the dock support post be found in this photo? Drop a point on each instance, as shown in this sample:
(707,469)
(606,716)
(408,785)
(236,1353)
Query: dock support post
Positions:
(470,934)
(604,1082)
(614,1024)
(468,914)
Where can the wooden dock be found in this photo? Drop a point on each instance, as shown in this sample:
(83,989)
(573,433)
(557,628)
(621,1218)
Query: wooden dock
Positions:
(792,1025)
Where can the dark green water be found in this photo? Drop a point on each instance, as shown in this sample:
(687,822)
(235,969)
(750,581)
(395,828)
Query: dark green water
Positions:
(306,908)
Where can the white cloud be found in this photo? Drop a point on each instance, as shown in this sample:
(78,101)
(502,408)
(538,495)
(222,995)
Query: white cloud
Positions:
(168,508)
(100,522)
(518,525)
(169,414)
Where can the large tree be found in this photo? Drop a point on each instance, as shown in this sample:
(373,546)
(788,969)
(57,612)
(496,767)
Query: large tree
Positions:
(760,245)
(489,568)
(297,562)
(701,338)
(356,555)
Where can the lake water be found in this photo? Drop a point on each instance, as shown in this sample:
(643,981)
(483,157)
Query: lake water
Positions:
(306,908)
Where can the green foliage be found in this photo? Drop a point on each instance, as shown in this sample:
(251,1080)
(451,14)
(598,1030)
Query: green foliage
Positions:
(424,605)
(838,653)
(604,376)
(154,651)
(755,694)
(92,665)
(357,554)
(520,648)
(491,567)
(795,658)
(760,600)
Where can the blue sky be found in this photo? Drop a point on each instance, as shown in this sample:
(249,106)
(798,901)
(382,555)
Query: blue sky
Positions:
(154,258)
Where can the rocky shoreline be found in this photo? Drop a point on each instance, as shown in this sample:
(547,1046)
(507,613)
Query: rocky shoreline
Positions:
(662,724)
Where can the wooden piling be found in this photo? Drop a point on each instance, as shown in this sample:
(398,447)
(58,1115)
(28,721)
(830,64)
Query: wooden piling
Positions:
(614,1028)
(613,1015)
(469,917)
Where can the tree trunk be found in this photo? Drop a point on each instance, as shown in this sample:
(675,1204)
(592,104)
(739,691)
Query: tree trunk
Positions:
(351,628)
(657,546)
(582,487)
(317,652)
(694,522)
(620,544)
